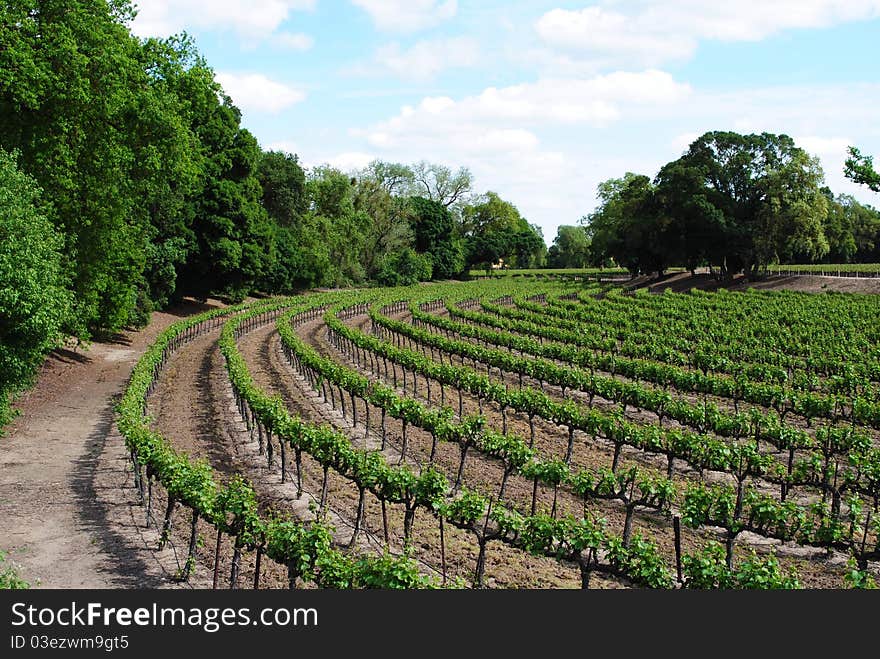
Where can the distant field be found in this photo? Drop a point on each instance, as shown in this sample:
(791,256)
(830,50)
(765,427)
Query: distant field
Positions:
(829,269)
(537,272)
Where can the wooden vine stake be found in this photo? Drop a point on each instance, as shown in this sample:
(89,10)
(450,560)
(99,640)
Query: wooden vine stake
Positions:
(676,525)
(217,559)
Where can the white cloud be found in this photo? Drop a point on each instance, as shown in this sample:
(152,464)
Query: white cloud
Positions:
(425,59)
(681,142)
(545,146)
(287,146)
(347,161)
(293,41)
(250,19)
(408,15)
(495,111)
(499,135)
(254,92)
(656,32)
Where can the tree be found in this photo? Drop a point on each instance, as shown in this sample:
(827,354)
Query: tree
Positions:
(761,190)
(628,227)
(494,230)
(404,268)
(342,226)
(570,249)
(860,169)
(440,184)
(233,238)
(377,193)
(852,230)
(71,97)
(695,225)
(283,182)
(34,302)
(435,233)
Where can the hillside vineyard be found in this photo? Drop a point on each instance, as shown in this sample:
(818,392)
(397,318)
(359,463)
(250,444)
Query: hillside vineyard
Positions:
(517,433)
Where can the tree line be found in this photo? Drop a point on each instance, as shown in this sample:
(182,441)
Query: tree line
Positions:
(127,182)
(736,203)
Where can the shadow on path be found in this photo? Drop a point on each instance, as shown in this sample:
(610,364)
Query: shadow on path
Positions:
(93,511)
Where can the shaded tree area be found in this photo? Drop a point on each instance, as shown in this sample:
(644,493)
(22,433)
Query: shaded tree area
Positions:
(735,203)
(570,248)
(35,303)
(158,192)
(495,231)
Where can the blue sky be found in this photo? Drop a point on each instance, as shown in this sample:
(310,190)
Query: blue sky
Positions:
(540,100)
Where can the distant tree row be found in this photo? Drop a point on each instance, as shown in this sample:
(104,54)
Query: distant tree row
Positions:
(734,202)
(128,183)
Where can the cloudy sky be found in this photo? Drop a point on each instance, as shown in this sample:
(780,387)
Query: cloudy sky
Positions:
(540,100)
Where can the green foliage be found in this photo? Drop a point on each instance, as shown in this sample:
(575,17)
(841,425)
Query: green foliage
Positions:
(283,183)
(404,267)
(436,234)
(857,578)
(570,248)
(740,202)
(34,303)
(9,578)
(707,569)
(860,169)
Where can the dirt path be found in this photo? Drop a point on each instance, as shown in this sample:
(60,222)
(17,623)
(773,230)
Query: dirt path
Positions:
(69,515)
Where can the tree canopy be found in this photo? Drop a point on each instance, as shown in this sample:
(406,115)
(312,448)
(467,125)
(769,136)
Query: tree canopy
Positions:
(736,201)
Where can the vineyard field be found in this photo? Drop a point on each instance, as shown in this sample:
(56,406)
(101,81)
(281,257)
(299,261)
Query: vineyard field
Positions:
(516,433)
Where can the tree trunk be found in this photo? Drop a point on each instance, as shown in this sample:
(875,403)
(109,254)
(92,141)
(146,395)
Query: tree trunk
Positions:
(236,567)
(570,450)
(409,517)
(193,540)
(403,445)
(616,459)
(481,563)
(534,496)
(586,572)
(217,559)
(282,443)
(464,451)
(257,568)
(324,492)
(359,516)
(299,472)
(166,524)
(628,524)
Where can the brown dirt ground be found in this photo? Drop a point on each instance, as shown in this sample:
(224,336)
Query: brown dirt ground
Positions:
(69,515)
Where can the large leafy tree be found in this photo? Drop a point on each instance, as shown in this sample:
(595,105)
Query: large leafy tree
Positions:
(852,230)
(283,182)
(570,248)
(343,227)
(379,192)
(436,233)
(233,245)
(495,230)
(440,184)
(628,227)
(860,169)
(762,191)
(34,302)
(71,86)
